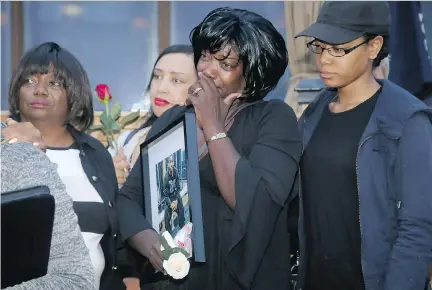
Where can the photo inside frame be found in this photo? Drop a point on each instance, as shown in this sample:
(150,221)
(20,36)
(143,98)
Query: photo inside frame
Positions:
(171,184)
(167,181)
(172,193)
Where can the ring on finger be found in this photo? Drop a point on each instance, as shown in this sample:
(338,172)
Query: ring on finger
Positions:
(196,90)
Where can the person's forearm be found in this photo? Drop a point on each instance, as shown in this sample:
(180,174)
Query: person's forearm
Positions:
(132,283)
(138,241)
(224,159)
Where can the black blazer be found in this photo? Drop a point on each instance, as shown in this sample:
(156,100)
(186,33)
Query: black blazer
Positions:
(256,256)
(99,168)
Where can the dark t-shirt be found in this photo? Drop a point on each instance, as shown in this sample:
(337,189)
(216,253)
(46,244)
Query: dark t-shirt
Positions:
(331,204)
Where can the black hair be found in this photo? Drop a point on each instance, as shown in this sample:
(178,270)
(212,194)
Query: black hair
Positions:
(67,70)
(383,53)
(260,46)
(178,48)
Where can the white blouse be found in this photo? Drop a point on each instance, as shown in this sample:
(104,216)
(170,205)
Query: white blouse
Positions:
(88,204)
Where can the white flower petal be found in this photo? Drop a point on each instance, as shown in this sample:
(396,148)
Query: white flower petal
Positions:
(177,266)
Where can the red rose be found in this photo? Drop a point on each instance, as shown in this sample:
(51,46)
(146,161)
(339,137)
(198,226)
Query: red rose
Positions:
(103,93)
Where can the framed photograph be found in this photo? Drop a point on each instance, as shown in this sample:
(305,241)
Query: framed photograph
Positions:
(171,184)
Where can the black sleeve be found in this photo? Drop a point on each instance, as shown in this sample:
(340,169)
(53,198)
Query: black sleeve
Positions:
(130,204)
(125,259)
(263,184)
(130,201)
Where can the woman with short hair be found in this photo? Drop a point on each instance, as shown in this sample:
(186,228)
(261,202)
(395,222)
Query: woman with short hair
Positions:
(50,93)
(249,151)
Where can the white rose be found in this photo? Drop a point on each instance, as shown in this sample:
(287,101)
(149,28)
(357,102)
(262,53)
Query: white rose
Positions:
(177,266)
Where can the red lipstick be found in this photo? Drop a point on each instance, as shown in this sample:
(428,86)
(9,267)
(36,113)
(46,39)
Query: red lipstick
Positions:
(160,102)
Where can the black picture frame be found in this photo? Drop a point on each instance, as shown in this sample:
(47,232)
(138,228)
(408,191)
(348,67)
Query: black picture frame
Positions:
(175,146)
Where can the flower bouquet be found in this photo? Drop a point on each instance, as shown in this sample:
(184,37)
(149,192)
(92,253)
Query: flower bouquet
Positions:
(109,118)
(176,252)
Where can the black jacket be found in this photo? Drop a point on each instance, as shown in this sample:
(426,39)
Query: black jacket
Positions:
(99,168)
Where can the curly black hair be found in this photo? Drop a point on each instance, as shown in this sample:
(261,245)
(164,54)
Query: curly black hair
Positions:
(262,49)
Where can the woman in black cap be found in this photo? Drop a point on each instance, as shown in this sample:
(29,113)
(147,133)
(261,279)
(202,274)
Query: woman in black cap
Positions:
(366,216)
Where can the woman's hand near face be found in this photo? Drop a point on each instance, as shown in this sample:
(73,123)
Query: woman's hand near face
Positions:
(23,132)
(122,166)
(208,102)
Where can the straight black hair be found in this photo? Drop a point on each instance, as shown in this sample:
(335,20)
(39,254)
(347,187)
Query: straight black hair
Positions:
(178,48)
(50,57)
(260,46)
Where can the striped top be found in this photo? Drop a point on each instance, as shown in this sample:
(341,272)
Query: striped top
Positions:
(88,204)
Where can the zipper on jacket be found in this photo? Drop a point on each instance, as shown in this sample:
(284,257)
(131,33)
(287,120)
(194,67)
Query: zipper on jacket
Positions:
(358,194)
(303,136)
(302,238)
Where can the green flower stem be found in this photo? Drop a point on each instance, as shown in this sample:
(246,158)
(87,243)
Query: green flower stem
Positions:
(110,135)
(114,143)
(106,107)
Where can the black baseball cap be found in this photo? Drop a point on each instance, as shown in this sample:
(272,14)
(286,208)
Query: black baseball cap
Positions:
(343,21)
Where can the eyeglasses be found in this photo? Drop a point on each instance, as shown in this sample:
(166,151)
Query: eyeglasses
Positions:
(333,51)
